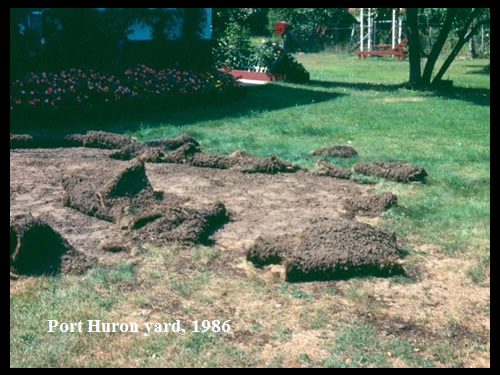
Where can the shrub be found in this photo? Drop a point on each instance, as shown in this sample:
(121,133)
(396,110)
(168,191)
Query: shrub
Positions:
(279,62)
(234,51)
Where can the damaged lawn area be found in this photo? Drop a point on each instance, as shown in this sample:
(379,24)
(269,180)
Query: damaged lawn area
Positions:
(436,313)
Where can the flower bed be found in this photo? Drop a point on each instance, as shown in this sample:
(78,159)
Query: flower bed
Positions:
(87,87)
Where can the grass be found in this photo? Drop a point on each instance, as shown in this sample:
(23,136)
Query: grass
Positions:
(368,322)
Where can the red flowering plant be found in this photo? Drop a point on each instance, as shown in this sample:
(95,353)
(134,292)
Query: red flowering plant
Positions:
(90,87)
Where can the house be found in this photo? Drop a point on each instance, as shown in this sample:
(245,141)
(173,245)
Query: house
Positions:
(154,36)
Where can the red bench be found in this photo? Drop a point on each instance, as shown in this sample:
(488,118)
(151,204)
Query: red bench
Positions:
(386,50)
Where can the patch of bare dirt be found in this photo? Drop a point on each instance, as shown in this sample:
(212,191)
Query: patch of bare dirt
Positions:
(336,151)
(37,249)
(259,204)
(398,171)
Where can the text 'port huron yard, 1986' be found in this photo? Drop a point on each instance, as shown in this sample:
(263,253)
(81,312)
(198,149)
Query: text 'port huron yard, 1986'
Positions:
(98,326)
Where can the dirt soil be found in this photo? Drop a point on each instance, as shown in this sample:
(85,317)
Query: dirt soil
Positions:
(100,139)
(327,169)
(125,197)
(257,204)
(97,139)
(336,151)
(37,249)
(370,205)
(330,250)
(398,171)
(153,150)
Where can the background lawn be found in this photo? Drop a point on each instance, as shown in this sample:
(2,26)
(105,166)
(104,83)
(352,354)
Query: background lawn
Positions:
(425,319)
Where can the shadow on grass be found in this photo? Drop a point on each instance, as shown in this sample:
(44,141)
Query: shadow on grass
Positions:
(480,69)
(360,272)
(177,112)
(357,85)
(477,96)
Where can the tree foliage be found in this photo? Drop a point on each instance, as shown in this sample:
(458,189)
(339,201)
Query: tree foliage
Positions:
(97,38)
(311,27)
(463,22)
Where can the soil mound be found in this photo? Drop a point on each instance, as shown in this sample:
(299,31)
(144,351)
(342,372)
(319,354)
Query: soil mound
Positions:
(128,152)
(398,171)
(270,165)
(269,250)
(178,224)
(169,144)
(326,169)
(129,201)
(371,205)
(329,251)
(100,139)
(153,151)
(101,195)
(129,182)
(186,150)
(183,154)
(204,160)
(37,249)
(336,151)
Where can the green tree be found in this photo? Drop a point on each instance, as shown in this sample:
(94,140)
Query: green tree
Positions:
(312,28)
(465,22)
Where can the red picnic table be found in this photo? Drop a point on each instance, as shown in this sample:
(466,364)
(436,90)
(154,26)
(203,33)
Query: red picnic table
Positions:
(387,50)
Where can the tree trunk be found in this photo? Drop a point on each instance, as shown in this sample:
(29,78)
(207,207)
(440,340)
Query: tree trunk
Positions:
(472,48)
(438,46)
(463,39)
(414,46)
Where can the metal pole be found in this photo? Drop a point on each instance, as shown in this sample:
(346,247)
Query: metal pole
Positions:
(482,39)
(400,27)
(369,29)
(393,28)
(361,36)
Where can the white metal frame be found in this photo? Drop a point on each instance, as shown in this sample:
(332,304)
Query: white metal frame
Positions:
(371,24)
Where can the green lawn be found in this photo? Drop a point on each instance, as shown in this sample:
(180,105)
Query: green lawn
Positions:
(422,321)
